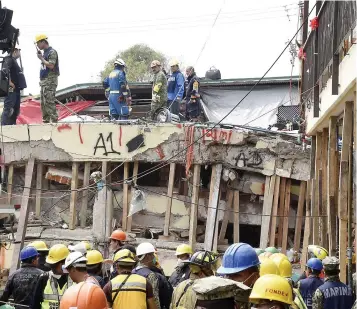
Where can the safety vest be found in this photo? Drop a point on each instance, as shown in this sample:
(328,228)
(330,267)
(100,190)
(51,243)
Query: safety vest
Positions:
(307,289)
(298,300)
(53,293)
(131,295)
(336,295)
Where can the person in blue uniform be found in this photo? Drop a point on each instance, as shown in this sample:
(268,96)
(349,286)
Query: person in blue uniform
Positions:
(175,88)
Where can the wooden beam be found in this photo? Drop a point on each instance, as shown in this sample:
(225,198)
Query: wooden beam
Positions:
(318,189)
(194,205)
(74,194)
(135,177)
(343,185)
(281,210)
(24,214)
(236,217)
(10,177)
(109,203)
(211,235)
(39,177)
(267,207)
(300,213)
(86,176)
(170,190)
(286,216)
(307,227)
(324,162)
(274,212)
(227,214)
(125,197)
(331,184)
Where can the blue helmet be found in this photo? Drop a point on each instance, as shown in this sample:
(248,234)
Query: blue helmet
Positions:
(315,264)
(27,253)
(238,257)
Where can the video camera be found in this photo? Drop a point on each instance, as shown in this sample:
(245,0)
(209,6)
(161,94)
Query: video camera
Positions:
(8,39)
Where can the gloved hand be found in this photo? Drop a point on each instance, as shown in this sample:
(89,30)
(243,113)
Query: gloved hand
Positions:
(128,101)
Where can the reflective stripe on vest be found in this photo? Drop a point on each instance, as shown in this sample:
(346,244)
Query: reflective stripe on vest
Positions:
(53,294)
(132,293)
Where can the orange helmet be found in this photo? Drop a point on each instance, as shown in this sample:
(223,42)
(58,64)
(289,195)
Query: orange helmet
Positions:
(84,295)
(118,235)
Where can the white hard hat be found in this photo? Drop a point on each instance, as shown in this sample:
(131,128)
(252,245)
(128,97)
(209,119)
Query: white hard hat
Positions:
(145,248)
(75,259)
(120,61)
(174,62)
(80,247)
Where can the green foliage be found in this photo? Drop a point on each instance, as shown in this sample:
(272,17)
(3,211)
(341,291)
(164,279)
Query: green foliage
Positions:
(138,59)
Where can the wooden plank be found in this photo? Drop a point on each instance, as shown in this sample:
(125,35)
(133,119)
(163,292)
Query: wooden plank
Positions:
(323,219)
(24,214)
(307,227)
(211,235)
(39,177)
(286,216)
(318,188)
(10,177)
(331,184)
(236,217)
(194,205)
(281,210)
(274,212)
(74,194)
(300,213)
(170,190)
(135,177)
(86,176)
(226,216)
(343,185)
(109,203)
(125,197)
(267,207)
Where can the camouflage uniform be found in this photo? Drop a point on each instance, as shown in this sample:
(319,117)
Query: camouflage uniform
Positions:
(48,91)
(159,92)
(354,284)
(330,263)
(184,296)
(355,305)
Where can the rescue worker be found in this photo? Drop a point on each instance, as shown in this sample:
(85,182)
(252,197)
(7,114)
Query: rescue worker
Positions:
(159,88)
(271,292)
(80,247)
(240,263)
(128,290)
(314,251)
(201,265)
(119,92)
(333,294)
(272,250)
(42,250)
(17,83)
(193,102)
(21,284)
(51,285)
(175,88)
(117,239)
(308,286)
(94,266)
(162,289)
(84,296)
(76,266)
(182,270)
(48,78)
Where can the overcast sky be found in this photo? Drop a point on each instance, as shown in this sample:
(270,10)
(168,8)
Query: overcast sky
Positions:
(247,37)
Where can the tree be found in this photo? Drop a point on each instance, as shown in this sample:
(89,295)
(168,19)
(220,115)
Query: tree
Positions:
(138,59)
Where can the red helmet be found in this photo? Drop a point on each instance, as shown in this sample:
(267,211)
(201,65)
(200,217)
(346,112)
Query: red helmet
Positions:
(84,295)
(118,235)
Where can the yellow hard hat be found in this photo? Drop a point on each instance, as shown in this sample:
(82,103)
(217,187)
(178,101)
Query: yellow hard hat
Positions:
(57,253)
(317,251)
(87,245)
(124,256)
(284,266)
(278,256)
(41,37)
(265,254)
(268,267)
(39,245)
(273,288)
(183,249)
(94,257)
(174,62)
